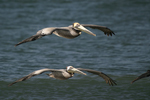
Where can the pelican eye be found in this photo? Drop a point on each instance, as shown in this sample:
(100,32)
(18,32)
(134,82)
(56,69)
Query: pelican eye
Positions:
(77,25)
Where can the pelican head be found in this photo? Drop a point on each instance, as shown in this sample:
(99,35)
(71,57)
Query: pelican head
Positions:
(78,26)
(71,69)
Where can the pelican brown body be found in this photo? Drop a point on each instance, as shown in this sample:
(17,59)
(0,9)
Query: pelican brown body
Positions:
(69,32)
(63,74)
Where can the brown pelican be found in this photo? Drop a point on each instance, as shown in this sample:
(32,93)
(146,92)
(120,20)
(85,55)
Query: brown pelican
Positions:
(69,32)
(147,74)
(63,74)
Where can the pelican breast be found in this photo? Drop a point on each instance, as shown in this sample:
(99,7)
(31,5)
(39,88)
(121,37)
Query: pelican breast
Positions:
(61,75)
(67,32)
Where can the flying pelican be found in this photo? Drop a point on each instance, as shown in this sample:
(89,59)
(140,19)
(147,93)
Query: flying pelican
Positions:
(63,74)
(69,32)
(147,74)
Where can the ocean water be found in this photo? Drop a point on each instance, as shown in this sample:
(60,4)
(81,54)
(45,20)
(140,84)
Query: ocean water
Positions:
(123,56)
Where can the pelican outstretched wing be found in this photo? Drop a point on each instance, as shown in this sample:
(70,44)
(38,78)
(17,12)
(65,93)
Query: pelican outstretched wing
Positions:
(106,30)
(40,34)
(104,76)
(147,74)
(32,38)
(37,72)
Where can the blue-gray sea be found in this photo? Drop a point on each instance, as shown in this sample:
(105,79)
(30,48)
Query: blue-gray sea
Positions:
(123,56)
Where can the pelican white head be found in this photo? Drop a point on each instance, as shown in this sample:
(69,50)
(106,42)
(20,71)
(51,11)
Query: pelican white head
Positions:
(78,26)
(71,69)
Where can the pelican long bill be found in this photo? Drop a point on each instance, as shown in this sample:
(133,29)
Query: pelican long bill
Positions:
(81,28)
(74,70)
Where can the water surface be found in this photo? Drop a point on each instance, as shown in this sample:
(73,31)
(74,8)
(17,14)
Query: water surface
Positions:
(123,56)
